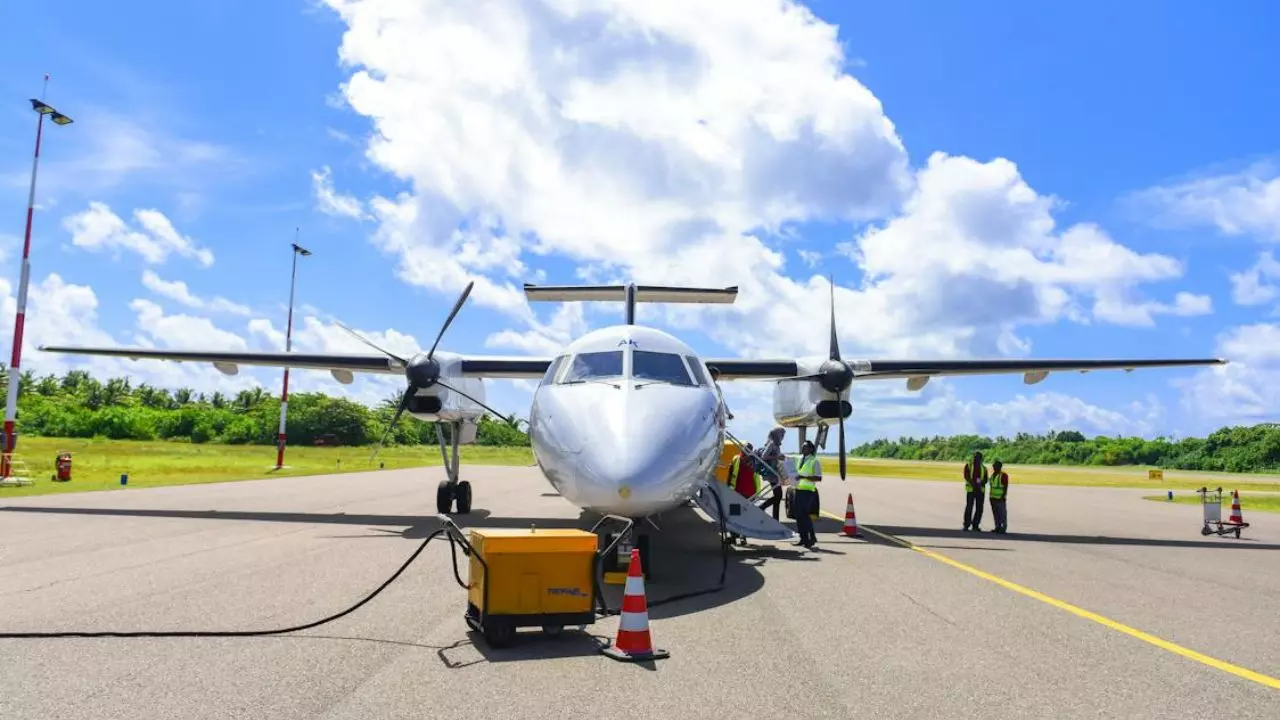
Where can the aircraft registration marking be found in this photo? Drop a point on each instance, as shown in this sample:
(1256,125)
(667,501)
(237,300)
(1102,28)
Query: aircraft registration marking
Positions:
(1224,666)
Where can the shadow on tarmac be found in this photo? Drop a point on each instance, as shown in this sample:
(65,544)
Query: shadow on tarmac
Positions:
(686,552)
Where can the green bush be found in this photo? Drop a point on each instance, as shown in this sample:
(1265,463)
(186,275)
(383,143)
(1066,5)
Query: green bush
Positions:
(78,405)
(1232,449)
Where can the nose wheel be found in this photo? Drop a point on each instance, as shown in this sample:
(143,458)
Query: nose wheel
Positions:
(625,541)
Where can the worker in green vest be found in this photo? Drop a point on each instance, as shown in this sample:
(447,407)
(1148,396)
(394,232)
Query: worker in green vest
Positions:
(999,493)
(808,475)
(975,483)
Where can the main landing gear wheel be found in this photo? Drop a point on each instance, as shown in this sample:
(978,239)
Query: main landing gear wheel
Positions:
(452,489)
(448,492)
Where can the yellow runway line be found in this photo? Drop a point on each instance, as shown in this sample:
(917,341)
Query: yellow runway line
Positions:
(1061,605)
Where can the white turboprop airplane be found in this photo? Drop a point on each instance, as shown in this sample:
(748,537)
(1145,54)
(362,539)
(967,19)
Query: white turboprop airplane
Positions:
(626,420)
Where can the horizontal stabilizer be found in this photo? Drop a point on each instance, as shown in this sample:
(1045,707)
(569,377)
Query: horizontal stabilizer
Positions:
(618,293)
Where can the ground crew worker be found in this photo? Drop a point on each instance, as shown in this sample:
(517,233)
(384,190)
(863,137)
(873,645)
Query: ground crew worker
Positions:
(999,493)
(975,483)
(808,475)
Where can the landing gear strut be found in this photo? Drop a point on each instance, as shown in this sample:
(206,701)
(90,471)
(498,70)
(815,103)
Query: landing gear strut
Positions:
(622,542)
(451,489)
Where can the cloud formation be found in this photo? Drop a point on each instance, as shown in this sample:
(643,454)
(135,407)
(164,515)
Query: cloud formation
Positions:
(99,229)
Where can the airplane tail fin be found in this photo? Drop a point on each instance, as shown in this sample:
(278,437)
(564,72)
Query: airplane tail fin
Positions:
(629,294)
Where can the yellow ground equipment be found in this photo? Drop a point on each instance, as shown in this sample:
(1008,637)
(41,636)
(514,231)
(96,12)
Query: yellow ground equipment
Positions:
(530,578)
(727,454)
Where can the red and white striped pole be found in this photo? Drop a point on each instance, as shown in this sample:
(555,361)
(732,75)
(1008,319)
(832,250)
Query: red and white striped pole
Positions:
(288,347)
(10,441)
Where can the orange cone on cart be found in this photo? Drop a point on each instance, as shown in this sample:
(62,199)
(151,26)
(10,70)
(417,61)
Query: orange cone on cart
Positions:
(1236,517)
(633,641)
(850,520)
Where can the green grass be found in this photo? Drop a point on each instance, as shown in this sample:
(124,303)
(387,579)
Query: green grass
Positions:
(98,464)
(1248,503)
(1080,476)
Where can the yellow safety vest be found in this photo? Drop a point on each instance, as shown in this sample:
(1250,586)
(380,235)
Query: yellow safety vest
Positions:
(968,486)
(998,481)
(806,468)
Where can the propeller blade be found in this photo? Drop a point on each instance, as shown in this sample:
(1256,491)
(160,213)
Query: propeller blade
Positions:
(508,420)
(404,403)
(369,342)
(835,343)
(842,456)
(456,307)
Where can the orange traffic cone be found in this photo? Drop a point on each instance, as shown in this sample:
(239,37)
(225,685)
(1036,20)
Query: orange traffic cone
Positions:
(850,520)
(633,642)
(1236,517)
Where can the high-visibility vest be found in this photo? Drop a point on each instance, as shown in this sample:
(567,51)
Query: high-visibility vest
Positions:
(998,481)
(806,468)
(973,475)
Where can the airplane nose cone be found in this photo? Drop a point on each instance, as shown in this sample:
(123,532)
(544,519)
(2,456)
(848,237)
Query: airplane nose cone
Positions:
(651,446)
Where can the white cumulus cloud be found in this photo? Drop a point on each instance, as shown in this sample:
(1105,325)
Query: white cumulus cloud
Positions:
(98,228)
(1242,203)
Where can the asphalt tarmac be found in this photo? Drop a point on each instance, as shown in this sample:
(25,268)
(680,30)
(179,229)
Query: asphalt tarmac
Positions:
(1096,604)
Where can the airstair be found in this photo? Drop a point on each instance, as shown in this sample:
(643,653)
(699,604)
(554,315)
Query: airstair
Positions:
(19,474)
(741,515)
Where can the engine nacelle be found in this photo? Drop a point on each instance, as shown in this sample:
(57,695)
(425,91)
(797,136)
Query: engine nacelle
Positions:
(440,404)
(805,403)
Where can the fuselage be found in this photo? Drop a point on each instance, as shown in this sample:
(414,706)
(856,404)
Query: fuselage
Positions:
(627,422)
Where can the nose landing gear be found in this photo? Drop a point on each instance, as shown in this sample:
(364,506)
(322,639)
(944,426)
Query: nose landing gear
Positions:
(622,542)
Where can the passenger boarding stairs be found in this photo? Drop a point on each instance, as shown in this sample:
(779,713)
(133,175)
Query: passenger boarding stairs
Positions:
(743,516)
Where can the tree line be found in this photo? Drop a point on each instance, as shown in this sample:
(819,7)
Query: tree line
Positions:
(1254,448)
(77,405)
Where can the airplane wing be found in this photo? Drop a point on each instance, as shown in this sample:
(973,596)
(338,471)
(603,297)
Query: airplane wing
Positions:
(339,365)
(1035,370)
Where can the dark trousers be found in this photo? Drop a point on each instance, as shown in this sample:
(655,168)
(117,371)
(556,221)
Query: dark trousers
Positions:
(973,508)
(1001,512)
(803,505)
(774,501)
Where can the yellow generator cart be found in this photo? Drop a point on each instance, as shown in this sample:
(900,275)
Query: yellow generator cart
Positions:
(530,578)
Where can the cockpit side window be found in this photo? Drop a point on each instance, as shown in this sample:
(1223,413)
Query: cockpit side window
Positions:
(696,368)
(552,370)
(662,367)
(593,366)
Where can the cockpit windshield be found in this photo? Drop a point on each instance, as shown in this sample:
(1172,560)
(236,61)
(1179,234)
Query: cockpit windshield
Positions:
(593,366)
(659,367)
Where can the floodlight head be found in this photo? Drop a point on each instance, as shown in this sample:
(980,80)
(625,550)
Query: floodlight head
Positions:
(40,107)
(59,119)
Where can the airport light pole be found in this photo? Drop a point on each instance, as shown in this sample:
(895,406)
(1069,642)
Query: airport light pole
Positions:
(288,347)
(10,439)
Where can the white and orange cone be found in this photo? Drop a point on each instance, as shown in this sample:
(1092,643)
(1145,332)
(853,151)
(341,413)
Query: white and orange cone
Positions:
(850,520)
(1236,517)
(633,641)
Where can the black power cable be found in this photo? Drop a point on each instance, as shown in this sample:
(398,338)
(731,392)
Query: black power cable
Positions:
(453,556)
(453,547)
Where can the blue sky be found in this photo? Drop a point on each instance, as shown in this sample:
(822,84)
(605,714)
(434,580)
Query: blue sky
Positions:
(981,179)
